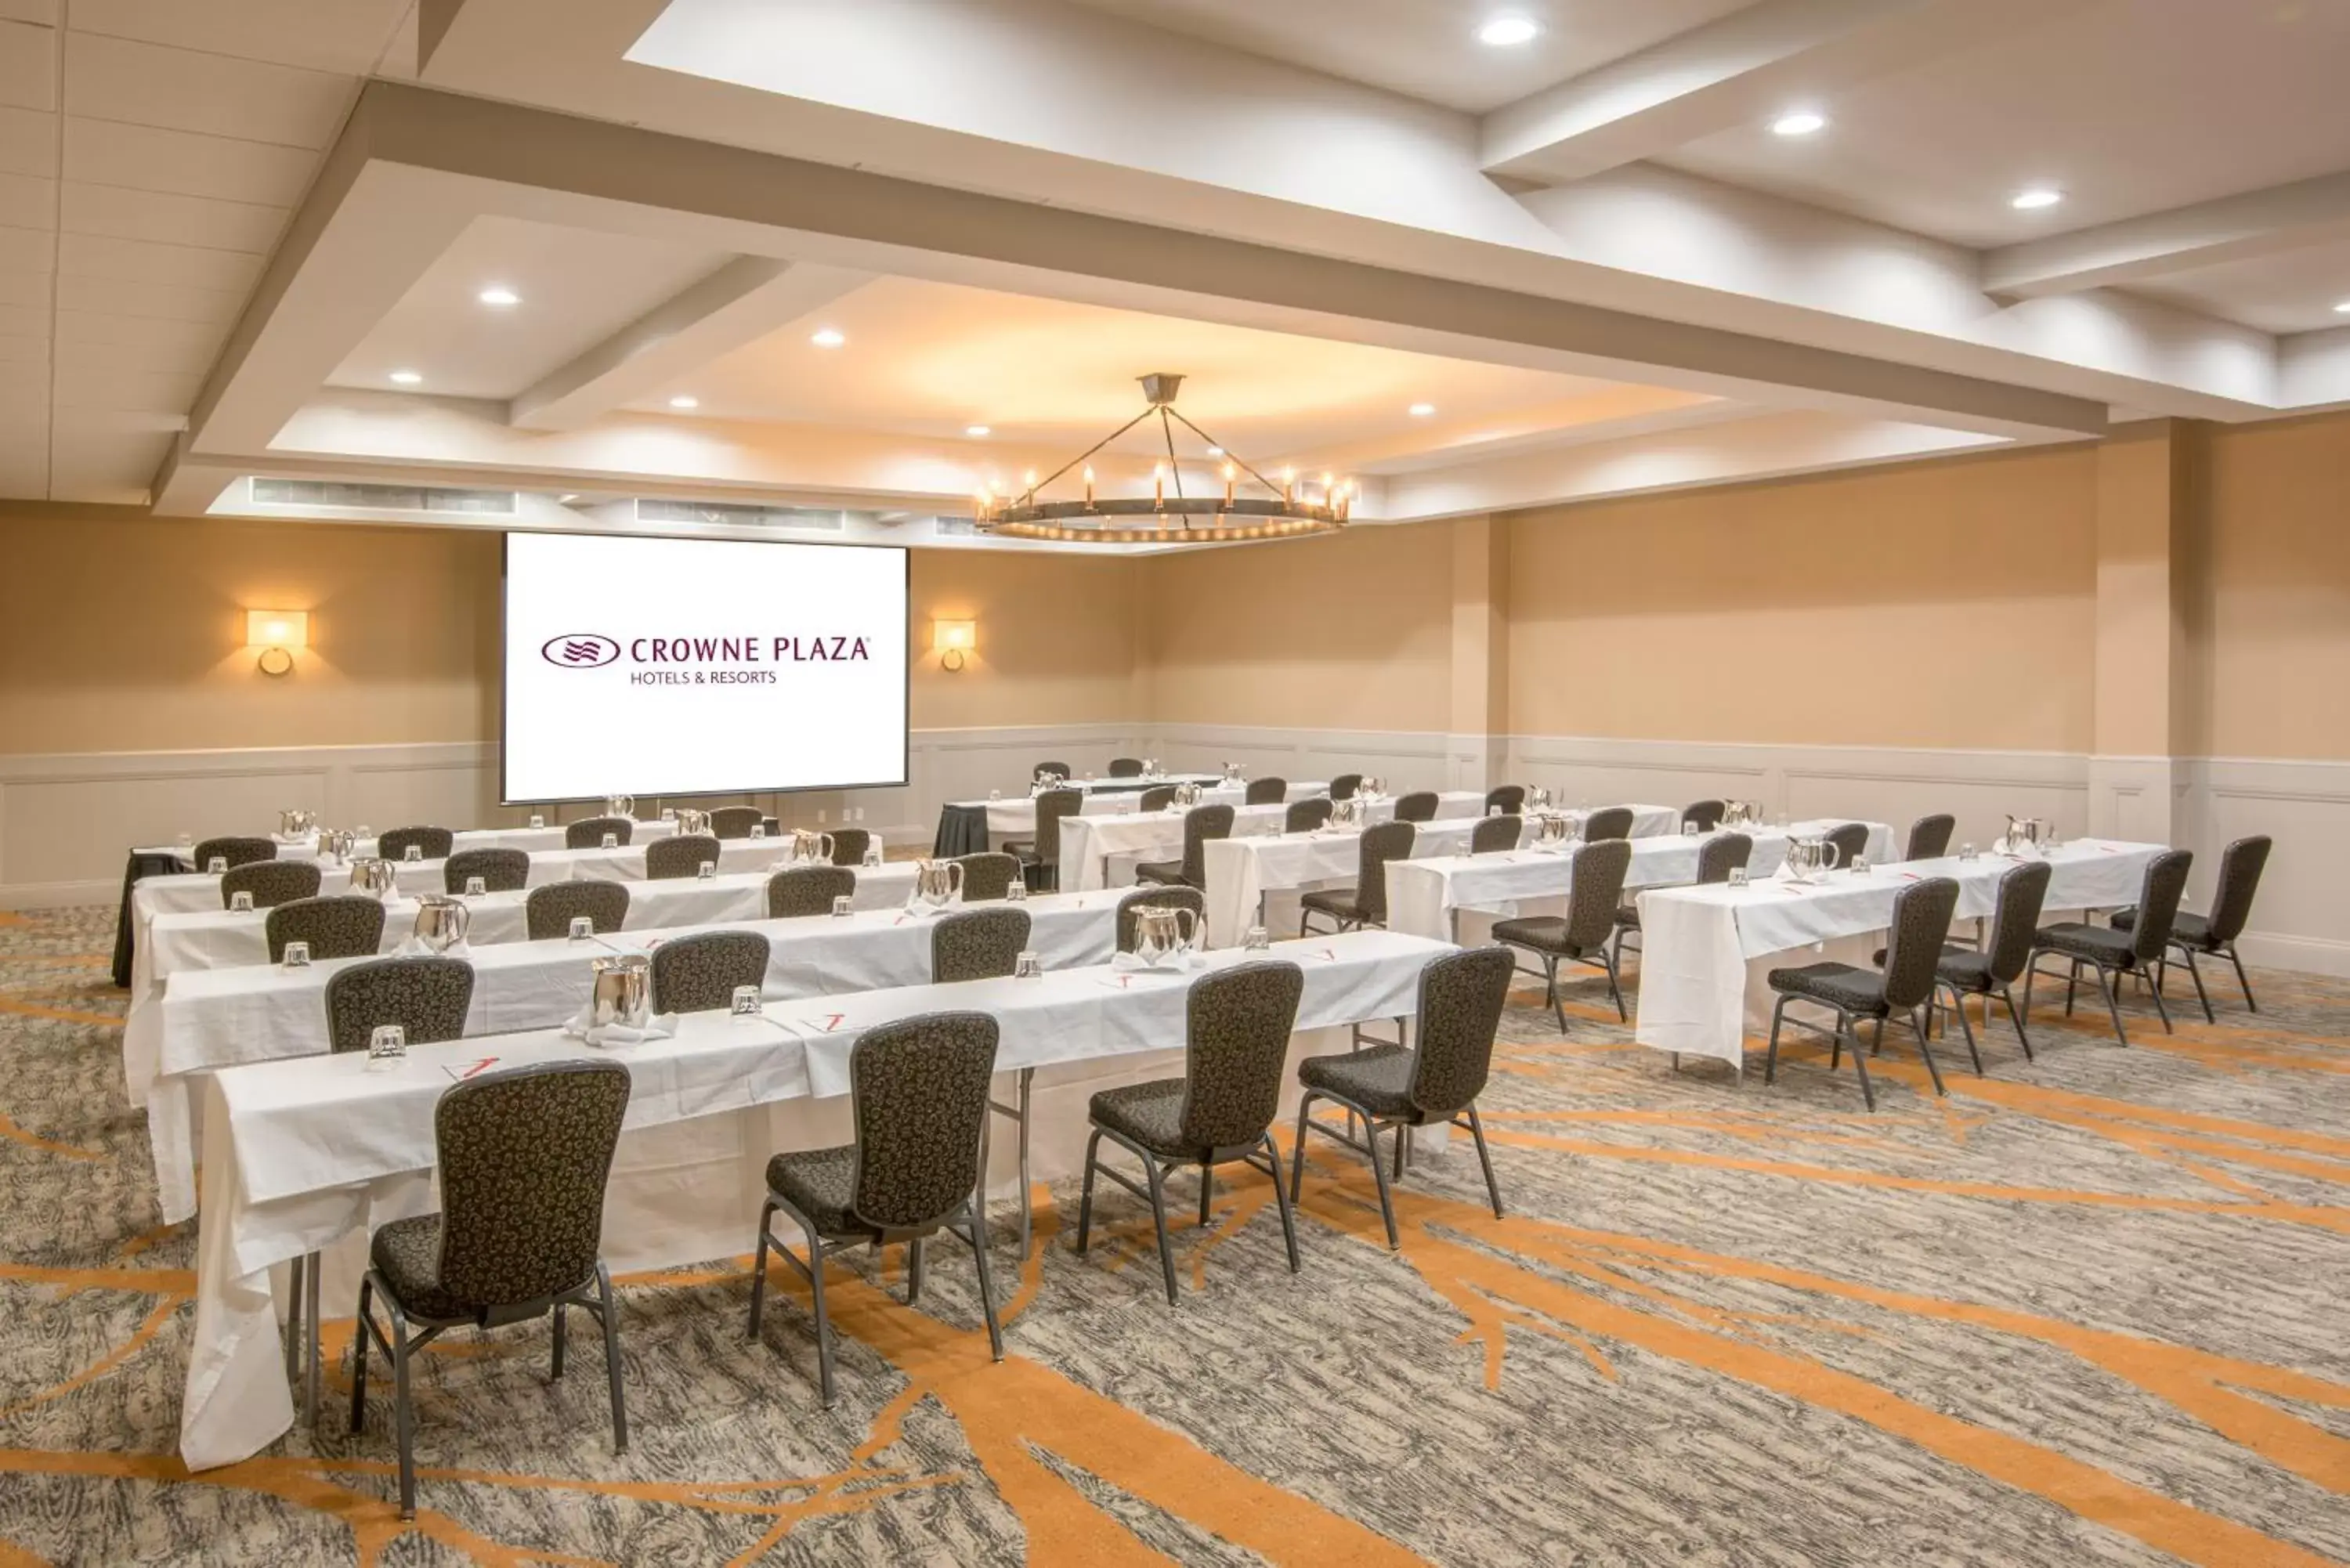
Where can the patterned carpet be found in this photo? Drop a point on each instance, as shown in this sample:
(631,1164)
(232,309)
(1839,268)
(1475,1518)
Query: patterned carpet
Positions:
(2090,1311)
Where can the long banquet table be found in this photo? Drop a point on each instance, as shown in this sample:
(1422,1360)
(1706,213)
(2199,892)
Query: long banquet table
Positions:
(310,1155)
(968,826)
(1103,851)
(1705,950)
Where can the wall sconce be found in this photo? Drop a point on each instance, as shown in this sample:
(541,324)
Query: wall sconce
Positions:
(951,639)
(278,634)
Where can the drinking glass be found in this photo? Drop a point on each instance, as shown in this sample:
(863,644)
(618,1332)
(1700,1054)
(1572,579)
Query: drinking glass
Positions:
(241,902)
(476,887)
(1969,852)
(386,1047)
(758,830)
(1859,867)
(187,841)
(1738,875)
(872,855)
(298,955)
(1018,892)
(413,852)
(611,841)
(1256,940)
(843,906)
(1027,966)
(538,819)
(748,1002)
(706,870)
(583,929)
(217,866)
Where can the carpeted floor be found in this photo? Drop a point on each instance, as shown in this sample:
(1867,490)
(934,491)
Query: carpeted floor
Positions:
(2090,1311)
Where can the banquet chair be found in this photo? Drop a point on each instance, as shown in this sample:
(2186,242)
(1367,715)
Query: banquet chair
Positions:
(548,912)
(1581,935)
(426,996)
(1157,797)
(1706,813)
(698,973)
(1929,837)
(2231,908)
(587,833)
(1043,851)
(1051,770)
(848,845)
(987,876)
(918,1092)
(1306,816)
(736,821)
(2115,952)
(1608,822)
(1238,1022)
(1344,786)
(236,852)
(1419,805)
(1851,841)
(808,890)
(1921,925)
(517,1236)
(270,881)
(1496,835)
(1270,790)
(1393,1087)
(430,843)
(1200,824)
(680,854)
(1167,898)
(1967,972)
(1364,903)
(347,925)
(1715,858)
(501,870)
(977,944)
(1509,800)
(1126,767)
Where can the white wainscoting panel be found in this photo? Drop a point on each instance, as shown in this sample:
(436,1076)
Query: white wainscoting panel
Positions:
(2302,918)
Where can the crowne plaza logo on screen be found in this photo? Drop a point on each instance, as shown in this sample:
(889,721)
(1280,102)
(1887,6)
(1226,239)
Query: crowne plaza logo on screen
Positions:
(579,650)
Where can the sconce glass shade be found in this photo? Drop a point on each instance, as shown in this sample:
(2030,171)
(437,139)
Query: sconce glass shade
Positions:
(954,636)
(288,629)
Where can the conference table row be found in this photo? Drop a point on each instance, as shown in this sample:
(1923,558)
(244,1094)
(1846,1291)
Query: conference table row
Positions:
(969,826)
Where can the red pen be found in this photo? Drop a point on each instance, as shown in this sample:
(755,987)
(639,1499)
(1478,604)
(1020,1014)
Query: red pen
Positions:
(484,1063)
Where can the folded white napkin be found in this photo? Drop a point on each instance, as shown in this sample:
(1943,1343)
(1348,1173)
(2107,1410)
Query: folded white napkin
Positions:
(660,1026)
(1127,964)
(414,947)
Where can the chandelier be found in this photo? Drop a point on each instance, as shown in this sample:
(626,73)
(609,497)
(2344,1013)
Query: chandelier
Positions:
(1260,510)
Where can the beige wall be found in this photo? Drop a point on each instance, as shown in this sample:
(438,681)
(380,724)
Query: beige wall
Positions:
(1058,636)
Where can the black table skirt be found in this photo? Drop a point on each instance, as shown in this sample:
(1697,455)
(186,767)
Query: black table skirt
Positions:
(137,866)
(962,830)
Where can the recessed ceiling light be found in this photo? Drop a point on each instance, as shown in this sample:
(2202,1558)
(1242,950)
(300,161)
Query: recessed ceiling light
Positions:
(683,401)
(1215,451)
(406,379)
(825,338)
(974,430)
(1508,32)
(1798,122)
(499,295)
(2343,309)
(567,500)
(1421,411)
(2034,197)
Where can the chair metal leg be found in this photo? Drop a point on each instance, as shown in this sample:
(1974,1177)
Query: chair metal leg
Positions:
(1770,1059)
(358,1355)
(1615,993)
(2031,973)
(1860,1058)
(2072,984)
(2197,976)
(404,1414)
(759,1269)
(561,1317)
(1379,1175)
(1280,1201)
(611,1313)
(310,1337)
(1402,1137)
(2242,979)
(1085,1200)
(1297,1151)
(1933,1070)
(1485,1159)
(1550,973)
(1207,1193)
(914,1271)
(823,1318)
(1027,1216)
(2112,1004)
(2162,1011)
(1159,1222)
(986,1292)
(2008,996)
(1966,1028)
(986,1145)
(295,1271)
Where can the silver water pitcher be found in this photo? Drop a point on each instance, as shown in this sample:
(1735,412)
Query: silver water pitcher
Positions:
(2029,835)
(375,877)
(295,822)
(1186,795)
(1538,798)
(621,806)
(812,848)
(1373,788)
(1809,860)
(1552,827)
(441,921)
(1163,933)
(1232,773)
(622,991)
(938,883)
(1350,812)
(693,822)
(336,844)
(1150,767)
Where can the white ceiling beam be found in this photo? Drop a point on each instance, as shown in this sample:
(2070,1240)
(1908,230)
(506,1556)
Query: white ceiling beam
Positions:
(1742,69)
(2226,228)
(740,303)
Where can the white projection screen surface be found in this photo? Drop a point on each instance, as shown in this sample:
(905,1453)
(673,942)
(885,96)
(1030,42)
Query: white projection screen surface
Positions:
(654,667)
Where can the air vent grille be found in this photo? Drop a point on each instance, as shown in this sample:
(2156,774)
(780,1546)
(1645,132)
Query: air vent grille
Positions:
(957,528)
(650,511)
(381,497)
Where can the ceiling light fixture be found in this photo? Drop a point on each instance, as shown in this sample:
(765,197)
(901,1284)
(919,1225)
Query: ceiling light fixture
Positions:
(1282,511)
(975,430)
(826,337)
(1508,32)
(683,401)
(406,379)
(1421,411)
(1799,122)
(2343,309)
(2032,198)
(499,295)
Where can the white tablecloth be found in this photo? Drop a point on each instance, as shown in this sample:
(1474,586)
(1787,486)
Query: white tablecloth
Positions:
(302,1154)
(1425,895)
(1103,851)
(1015,817)
(1243,873)
(1704,951)
(530,839)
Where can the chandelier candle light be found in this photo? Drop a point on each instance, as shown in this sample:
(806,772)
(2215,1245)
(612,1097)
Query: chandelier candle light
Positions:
(1280,512)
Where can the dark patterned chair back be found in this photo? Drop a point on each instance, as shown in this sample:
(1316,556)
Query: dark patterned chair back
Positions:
(1921,924)
(1706,813)
(1510,798)
(524,1155)
(431,842)
(848,845)
(1157,797)
(1608,822)
(808,890)
(1306,816)
(2241,864)
(501,870)
(587,833)
(1126,767)
(426,997)
(736,821)
(977,944)
(1270,790)
(1460,998)
(1236,1043)
(2016,919)
(548,911)
(1717,857)
(235,851)
(1495,835)
(1929,837)
(2158,903)
(344,926)
(1190,898)
(1598,889)
(697,973)
(1051,808)
(918,1092)
(1200,824)
(1419,805)
(1050,770)
(1851,841)
(679,855)
(271,882)
(1386,841)
(987,876)
(1344,786)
